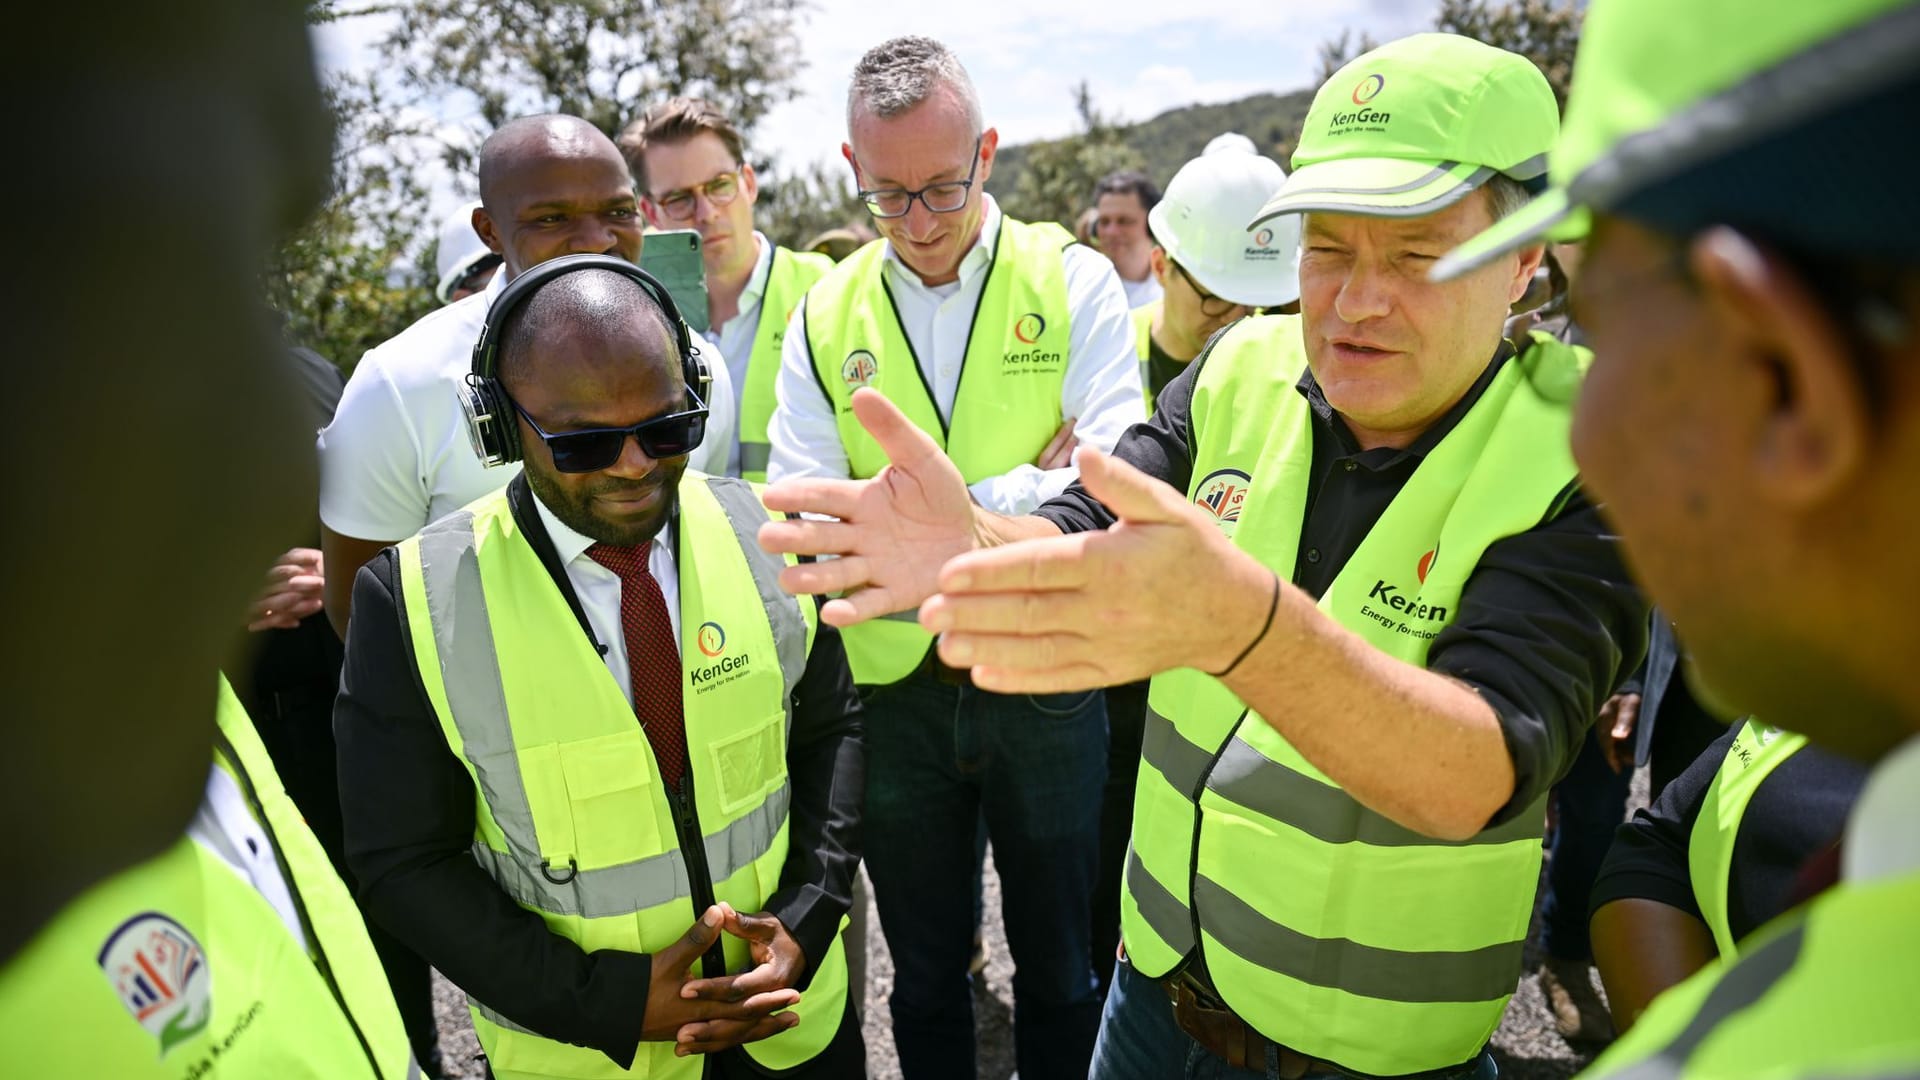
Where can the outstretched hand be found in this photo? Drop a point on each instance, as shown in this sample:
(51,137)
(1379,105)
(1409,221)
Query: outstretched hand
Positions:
(1160,589)
(893,532)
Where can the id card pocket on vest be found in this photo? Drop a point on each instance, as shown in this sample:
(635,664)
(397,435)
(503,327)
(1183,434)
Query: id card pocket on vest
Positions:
(750,765)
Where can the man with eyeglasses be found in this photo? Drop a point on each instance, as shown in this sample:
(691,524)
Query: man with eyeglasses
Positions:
(1351,550)
(690,164)
(396,455)
(599,770)
(1210,269)
(1006,342)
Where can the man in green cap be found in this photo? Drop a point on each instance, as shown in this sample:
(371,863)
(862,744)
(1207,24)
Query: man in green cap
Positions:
(1352,551)
(1744,171)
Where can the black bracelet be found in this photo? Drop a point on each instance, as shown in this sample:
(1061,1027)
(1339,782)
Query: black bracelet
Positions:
(1272,607)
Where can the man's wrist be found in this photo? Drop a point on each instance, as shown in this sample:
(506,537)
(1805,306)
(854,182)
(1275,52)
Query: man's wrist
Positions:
(1253,594)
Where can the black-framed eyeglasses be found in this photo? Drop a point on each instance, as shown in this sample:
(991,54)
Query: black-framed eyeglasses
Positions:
(1211,306)
(593,449)
(946,197)
(679,204)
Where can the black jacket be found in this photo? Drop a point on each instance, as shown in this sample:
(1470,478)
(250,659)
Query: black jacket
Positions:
(409,810)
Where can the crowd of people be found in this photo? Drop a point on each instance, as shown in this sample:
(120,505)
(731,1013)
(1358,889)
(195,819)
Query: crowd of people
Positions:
(1267,575)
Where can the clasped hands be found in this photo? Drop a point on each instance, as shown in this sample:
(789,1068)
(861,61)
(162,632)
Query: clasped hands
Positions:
(1027,609)
(706,1016)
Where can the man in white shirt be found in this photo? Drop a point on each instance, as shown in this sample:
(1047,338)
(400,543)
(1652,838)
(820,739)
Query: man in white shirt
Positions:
(1122,202)
(690,164)
(1009,344)
(397,455)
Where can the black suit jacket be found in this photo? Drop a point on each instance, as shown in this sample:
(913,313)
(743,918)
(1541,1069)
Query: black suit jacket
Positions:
(409,815)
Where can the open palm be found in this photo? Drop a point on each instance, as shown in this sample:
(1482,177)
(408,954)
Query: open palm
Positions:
(894,532)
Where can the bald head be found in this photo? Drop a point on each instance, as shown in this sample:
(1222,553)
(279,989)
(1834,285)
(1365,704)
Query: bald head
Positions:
(591,313)
(552,186)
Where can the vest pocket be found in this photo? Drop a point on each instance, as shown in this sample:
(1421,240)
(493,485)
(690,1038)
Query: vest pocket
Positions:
(610,796)
(750,765)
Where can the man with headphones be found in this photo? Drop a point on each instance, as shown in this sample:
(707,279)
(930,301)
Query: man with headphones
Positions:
(605,890)
(395,456)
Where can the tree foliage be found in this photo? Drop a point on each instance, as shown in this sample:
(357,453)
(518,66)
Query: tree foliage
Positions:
(603,60)
(1546,32)
(1336,53)
(796,207)
(1056,179)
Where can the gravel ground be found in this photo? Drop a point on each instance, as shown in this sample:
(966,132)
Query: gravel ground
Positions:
(1526,1046)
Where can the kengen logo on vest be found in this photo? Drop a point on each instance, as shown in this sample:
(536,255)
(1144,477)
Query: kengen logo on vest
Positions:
(711,639)
(860,369)
(161,975)
(1394,605)
(1223,494)
(1027,330)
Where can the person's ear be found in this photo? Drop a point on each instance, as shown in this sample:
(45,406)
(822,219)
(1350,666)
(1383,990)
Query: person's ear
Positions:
(1816,437)
(989,146)
(490,236)
(749,183)
(1157,262)
(1528,262)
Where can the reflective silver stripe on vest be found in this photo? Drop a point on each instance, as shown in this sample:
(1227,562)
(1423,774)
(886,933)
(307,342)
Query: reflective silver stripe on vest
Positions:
(463,635)
(498,1020)
(1483,974)
(1250,779)
(413,1068)
(1181,762)
(754,456)
(746,515)
(1743,984)
(911,615)
(1163,911)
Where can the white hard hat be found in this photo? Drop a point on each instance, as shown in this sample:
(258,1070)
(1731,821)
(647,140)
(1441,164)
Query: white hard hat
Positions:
(1201,221)
(1230,140)
(460,249)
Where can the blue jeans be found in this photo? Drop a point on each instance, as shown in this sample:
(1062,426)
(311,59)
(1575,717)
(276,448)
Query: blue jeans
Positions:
(938,757)
(1139,1040)
(1592,801)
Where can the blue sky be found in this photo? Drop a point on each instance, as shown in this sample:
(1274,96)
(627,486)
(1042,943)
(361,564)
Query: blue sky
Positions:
(1140,58)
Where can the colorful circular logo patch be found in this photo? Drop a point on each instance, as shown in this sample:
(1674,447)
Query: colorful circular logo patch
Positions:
(1263,238)
(162,977)
(860,369)
(1368,89)
(1222,493)
(712,639)
(1029,327)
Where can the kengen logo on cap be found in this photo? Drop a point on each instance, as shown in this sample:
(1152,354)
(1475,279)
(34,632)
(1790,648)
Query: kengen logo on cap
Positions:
(1368,89)
(1029,327)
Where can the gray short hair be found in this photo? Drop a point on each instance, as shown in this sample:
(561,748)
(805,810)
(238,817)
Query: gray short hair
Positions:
(894,76)
(1505,196)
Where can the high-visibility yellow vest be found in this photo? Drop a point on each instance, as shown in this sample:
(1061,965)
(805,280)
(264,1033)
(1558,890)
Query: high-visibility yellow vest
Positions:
(179,968)
(1826,990)
(789,276)
(572,818)
(1143,345)
(1326,926)
(1008,405)
(1754,754)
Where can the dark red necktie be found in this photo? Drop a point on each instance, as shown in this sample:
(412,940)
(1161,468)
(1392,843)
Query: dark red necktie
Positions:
(653,658)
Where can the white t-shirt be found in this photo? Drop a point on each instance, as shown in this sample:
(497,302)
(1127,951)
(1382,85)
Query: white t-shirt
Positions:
(397,456)
(1144,291)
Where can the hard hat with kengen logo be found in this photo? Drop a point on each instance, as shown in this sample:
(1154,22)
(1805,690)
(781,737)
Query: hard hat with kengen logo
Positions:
(1201,221)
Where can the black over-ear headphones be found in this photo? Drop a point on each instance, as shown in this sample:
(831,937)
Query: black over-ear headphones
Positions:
(491,421)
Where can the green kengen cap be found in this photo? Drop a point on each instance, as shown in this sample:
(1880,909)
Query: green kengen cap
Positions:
(1662,89)
(1409,128)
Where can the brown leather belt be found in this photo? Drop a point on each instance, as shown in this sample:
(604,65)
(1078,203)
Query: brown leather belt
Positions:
(1207,1020)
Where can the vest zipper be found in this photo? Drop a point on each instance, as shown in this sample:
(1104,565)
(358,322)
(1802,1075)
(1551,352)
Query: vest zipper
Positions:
(693,846)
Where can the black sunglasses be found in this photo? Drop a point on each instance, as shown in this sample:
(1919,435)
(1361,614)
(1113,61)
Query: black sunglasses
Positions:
(594,449)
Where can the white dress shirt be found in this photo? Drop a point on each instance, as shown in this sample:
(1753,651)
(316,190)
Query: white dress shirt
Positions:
(224,824)
(734,338)
(397,455)
(1101,389)
(1142,292)
(599,590)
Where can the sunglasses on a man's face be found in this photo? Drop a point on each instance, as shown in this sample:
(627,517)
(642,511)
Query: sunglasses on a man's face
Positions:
(593,449)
